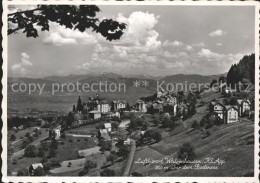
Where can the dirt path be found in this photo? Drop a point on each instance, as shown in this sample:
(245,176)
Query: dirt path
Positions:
(130,158)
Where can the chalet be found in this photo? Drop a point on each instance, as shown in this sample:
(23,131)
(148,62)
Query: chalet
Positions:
(232,114)
(141,106)
(108,126)
(218,108)
(95,114)
(118,104)
(243,106)
(54,133)
(33,167)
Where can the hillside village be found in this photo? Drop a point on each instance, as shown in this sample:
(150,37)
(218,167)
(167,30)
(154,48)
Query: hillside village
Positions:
(102,137)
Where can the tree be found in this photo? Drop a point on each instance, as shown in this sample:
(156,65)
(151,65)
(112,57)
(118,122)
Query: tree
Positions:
(214,81)
(112,158)
(127,106)
(73,17)
(136,174)
(52,153)
(54,144)
(30,151)
(150,135)
(107,173)
(25,143)
(186,152)
(222,79)
(70,119)
(195,124)
(114,125)
(23,172)
(105,146)
(12,137)
(27,135)
(74,108)
(123,151)
(44,145)
(41,152)
(79,105)
(88,165)
(166,122)
(39,171)
(46,166)
(157,136)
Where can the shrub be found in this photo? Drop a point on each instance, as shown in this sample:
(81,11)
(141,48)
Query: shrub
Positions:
(195,124)
(30,151)
(22,172)
(12,137)
(107,173)
(186,152)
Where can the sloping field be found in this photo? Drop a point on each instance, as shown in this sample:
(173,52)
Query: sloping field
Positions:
(230,142)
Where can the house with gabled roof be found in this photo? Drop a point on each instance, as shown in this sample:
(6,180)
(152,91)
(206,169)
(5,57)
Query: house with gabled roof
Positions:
(231,114)
(243,106)
(33,167)
(118,104)
(218,108)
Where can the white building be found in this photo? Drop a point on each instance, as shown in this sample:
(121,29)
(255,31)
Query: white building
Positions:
(232,114)
(243,106)
(141,106)
(108,126)
(54,133)
(119,104)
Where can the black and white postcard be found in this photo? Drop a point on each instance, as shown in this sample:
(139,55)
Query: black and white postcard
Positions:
(135,91)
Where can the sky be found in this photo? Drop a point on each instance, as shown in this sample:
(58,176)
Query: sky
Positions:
(158,41)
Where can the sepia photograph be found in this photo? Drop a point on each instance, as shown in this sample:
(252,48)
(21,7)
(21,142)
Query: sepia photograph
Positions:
(130,90)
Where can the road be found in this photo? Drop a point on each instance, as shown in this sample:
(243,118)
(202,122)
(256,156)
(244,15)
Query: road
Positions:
(21,152)
(130,158)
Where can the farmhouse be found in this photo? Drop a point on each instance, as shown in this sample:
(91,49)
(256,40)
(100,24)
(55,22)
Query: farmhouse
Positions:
(33,167)
(54,133)
(218,108)
(118,105)
(243,106)
(232,114)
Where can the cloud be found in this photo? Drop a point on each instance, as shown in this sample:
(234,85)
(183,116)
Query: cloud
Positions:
(25,59)
(206,53)
(200,44)
(219,44)
(19,68)
(60,35)
(217,33)
(172,44)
